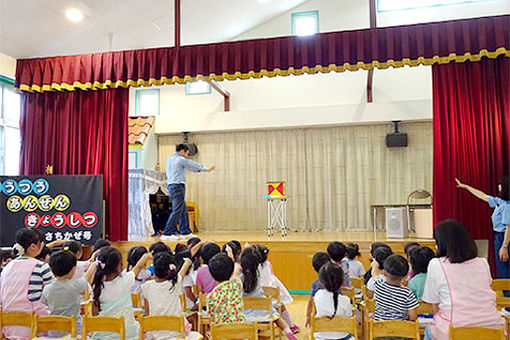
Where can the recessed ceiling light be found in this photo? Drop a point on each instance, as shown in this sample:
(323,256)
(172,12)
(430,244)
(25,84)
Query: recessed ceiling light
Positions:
(74,15)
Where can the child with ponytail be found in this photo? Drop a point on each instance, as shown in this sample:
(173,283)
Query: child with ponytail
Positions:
(162,294)
(23,279)
(251,287)
(134,255)
(328,302)
(112,291)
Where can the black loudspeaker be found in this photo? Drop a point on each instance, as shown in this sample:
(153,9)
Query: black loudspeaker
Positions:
(396,139)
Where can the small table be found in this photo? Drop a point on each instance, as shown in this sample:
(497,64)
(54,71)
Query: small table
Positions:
(276,214)
(376,207)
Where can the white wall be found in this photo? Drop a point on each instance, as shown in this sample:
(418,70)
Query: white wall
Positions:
(7,65)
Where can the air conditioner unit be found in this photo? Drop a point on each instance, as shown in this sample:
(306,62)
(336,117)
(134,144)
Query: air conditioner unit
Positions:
(396,223)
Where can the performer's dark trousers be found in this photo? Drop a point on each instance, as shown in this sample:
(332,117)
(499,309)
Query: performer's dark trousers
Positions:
(179,213)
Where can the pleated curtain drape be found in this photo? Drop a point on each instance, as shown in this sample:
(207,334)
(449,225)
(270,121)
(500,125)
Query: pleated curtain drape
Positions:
(333,174)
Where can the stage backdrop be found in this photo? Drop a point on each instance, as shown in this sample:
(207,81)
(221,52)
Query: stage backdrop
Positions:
(333,174)
(62,207)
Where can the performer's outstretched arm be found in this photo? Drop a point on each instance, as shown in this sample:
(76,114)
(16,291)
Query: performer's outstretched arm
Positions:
(478,193)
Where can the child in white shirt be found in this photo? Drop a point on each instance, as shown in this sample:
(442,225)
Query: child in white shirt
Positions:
(328,302)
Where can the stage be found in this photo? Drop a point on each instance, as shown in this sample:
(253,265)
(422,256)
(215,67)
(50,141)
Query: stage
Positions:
(291,256)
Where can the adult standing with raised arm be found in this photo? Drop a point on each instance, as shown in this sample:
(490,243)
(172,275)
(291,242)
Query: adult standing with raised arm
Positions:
(176,166)
(500,222)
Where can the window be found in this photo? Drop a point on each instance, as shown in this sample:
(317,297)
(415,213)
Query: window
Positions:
(198,87)
(10,139)
(305,23)
(398,5)
(147,102)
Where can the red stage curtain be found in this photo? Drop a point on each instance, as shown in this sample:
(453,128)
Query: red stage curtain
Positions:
(471,139)
(427,44)
(81,132)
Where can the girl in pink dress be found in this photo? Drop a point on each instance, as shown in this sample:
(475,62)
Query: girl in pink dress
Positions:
(23,280)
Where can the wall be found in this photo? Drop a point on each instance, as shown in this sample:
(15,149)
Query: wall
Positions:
(7,65)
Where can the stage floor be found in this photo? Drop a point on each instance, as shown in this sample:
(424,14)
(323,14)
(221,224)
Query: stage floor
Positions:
(291,256)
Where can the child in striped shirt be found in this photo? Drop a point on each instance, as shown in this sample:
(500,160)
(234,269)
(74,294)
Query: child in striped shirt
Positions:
(393,301)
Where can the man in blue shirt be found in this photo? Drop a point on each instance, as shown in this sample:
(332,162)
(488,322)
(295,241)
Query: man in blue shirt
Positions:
(176,166)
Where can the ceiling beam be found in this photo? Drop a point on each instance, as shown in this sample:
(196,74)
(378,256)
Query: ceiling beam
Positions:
(177,23)
(221,90)
(370,75)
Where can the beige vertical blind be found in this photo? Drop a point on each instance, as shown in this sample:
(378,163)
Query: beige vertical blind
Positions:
(333,174)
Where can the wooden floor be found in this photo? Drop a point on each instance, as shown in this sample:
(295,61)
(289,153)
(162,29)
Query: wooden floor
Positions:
(291,256)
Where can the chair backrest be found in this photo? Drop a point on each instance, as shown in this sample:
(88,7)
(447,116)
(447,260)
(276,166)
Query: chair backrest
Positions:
(194,289)
(364,290)
(500,285)
(136,300)
(394,328)
(349,292)
(160,323)
(425,308)
(103,324)
(85,295)
(357,282)
(478,333)
(54,323)
(336,324)
(369,306)
(272,292)
(182,300)
(234,331)
(16,319)
(263,303)
(202,301)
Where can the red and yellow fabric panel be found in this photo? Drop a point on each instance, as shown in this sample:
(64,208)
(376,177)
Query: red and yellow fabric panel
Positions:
(421,44)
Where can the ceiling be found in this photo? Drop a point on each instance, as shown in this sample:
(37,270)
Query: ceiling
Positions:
(36,28)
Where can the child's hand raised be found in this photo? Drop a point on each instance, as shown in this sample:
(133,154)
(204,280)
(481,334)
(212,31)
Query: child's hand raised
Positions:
(187,261)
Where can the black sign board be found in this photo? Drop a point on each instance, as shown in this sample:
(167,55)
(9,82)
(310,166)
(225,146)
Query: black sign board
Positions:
(62,207)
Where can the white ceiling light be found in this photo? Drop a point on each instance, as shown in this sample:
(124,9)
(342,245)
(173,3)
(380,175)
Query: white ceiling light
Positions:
(74,15)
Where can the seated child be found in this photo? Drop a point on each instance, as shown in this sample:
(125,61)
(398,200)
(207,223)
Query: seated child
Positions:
(133,256)
(100,243)
(269,279)
(420,258)
(225,302)
(377,266)
(44,255)
(155,248)
(336,251)
(23,279)
(162,294)
(356,268)
(112,291)
(373,247)
(63,295)
(318,260)
(408,247)
(205,281)
(77,250)
(251,287)
(393,301)
(235,246)
(328,302)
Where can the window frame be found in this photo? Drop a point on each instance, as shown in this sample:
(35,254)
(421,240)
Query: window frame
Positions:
(197,93)
(147,90)
(6,83)
(293,17)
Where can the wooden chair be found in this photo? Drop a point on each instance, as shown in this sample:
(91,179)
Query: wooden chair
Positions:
(229,331)
(266,304)
(274,294)
(499,286)
(16,319)
(86,303)
(203,317)
(54,323)
(349,292)
(136,300)
(357,284)
(93,324)
(394,328)
(160,323)
(190,315)
(192,208)
(424,308)
(336,324)
(478,333)
(367,308)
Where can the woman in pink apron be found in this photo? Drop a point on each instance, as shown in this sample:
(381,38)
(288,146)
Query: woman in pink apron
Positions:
(458,284)
(22,281)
